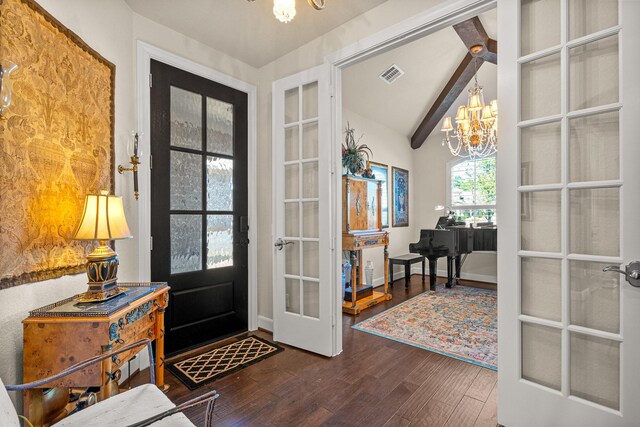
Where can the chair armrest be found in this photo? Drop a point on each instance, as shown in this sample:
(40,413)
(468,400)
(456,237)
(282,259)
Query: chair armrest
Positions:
(86,363)
(208,398)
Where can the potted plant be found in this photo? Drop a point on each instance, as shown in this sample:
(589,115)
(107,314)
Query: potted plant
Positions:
(354,155)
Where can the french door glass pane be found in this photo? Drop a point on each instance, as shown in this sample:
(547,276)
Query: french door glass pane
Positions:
(185,181)
(541,355)
(540,154)
(219,241)
(595,296)
(311,298)
(291,181)
(219,184)
(595,221)
(540,87)
(292,295)
(292,258)
(594,152)
(589,16)
(540,221)
(541,294)
(310,100)
(310,180)
(532,13)
(310,140)
(292,219)
(593,74)
(291,103)
(311,259)
(186,119)
(186,243)
(595,369)
(219,127)
(310,212)
(291,144)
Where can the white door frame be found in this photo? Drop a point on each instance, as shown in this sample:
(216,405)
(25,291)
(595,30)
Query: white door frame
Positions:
(146,52)
(418,26)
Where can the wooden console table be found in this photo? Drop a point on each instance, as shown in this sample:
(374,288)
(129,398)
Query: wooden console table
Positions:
(62,334)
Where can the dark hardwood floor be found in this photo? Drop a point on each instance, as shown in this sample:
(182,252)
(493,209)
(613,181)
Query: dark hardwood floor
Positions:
(374,382)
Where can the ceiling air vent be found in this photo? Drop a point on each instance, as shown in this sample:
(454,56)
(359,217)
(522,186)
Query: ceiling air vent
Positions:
(391,74)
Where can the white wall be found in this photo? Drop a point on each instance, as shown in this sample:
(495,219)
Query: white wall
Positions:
(393,149)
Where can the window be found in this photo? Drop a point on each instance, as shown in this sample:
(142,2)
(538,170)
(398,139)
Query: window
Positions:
(471,189)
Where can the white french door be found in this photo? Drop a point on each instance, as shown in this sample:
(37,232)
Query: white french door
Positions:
(569,191)
(304,279)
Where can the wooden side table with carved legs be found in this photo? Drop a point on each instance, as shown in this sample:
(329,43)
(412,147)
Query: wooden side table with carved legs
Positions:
(62,334)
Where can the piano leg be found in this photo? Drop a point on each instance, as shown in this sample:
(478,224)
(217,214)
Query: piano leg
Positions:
(433,272)
(458,268)
(450,273)
(423,268)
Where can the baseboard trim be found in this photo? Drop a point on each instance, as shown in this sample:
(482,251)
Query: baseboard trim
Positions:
(417,269)
(265,323)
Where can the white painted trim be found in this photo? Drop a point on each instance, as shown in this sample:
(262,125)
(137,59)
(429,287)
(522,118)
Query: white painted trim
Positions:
(265,323)
(146,52)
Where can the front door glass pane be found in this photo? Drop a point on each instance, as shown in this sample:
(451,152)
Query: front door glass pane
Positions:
(219,184)
(185,181)
(186,243)
(219,241)
(186,119)
(219,127)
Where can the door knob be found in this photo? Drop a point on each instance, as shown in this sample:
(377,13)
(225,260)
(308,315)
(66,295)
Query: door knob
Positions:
(631,272)
(281,243)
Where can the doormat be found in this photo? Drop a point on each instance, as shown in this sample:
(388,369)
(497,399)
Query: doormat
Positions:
(203,368)
(460,322)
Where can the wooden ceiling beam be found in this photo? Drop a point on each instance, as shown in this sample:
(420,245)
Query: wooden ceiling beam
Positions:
(454,87)
(473,35)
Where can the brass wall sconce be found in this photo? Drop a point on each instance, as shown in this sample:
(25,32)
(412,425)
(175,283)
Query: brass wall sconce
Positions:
(133,148)
(6,67)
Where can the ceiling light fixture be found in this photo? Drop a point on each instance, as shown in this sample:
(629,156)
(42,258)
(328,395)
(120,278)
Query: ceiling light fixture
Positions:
(476,124)
(284,10)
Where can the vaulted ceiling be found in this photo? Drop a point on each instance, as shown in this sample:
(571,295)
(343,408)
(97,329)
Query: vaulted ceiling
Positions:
(247,30)
(428,64)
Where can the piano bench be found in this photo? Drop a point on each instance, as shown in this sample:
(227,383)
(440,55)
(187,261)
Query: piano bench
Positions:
(406,260)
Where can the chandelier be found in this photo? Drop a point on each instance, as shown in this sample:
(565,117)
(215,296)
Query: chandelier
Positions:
(285,10)
(476,125)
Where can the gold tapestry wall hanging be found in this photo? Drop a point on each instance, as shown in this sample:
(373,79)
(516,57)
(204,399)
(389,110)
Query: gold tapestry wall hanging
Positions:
(56,144)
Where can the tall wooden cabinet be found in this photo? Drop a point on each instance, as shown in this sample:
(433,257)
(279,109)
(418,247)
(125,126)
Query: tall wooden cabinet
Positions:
(362,229)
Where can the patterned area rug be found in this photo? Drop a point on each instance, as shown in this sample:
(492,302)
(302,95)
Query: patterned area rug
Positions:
(206,367)
(459,322)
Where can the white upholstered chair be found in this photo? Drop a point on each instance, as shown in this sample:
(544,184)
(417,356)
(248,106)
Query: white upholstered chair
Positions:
(141,406)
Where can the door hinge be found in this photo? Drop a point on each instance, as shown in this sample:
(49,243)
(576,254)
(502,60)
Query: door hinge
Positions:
(150,161)
(150,80)
(151,242)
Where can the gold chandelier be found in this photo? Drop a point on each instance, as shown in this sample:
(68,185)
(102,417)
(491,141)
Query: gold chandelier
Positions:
(285,10)
(476,125)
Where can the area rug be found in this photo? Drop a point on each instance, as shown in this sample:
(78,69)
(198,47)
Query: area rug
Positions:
(459,322)
(203,368)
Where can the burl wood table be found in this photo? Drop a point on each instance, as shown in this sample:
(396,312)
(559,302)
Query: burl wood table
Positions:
(62,334)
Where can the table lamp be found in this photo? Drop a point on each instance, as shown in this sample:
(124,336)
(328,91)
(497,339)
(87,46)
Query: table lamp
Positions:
(102,219)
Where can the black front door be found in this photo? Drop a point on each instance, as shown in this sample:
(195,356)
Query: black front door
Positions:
(199,205)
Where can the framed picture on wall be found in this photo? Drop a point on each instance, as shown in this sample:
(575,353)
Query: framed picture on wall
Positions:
(400,204)
(381,173)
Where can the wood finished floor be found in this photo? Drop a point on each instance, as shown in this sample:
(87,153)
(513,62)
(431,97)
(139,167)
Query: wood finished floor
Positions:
(374,382)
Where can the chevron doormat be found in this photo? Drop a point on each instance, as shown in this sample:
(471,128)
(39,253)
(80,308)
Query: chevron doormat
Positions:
(206,367)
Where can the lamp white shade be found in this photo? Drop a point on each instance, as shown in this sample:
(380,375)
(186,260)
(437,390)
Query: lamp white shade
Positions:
(102,218)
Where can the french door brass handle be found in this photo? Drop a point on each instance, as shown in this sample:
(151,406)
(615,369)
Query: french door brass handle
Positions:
(631,272)
(281,243)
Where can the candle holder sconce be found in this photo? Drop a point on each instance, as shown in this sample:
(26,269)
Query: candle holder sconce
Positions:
(133,148)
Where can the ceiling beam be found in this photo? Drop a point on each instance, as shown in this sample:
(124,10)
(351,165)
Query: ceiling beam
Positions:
(454,87)
(480,46)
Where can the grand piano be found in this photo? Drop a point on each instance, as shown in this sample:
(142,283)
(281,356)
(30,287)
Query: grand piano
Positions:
(455,242)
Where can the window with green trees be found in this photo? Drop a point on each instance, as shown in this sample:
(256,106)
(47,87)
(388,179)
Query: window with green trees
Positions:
(472,189)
